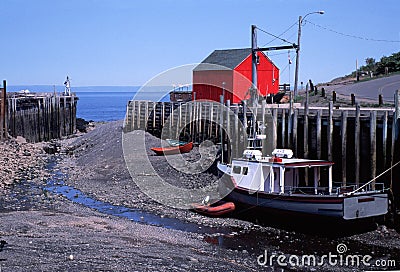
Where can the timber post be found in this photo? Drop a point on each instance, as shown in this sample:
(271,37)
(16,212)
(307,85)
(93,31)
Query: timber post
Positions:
(3,110)
(344,147)
(357,145)
(373,146)
(395,157)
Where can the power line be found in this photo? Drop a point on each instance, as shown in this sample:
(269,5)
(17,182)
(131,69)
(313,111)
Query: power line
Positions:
(276,37)
(280,35)
(352,36)
(277,54)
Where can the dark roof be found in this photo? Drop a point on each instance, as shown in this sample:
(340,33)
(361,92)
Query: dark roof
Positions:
(226,59)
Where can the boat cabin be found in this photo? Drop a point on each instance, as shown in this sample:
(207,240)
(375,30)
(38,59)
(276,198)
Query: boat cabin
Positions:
(280,174)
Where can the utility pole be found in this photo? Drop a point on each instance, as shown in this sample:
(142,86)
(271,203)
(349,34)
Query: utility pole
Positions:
(296,76)
(296,73)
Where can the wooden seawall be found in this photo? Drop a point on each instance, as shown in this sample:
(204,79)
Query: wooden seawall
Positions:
(37,116)
(363,142)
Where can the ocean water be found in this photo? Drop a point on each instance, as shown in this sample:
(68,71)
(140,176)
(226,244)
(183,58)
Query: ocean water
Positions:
(103,103)
(102,106)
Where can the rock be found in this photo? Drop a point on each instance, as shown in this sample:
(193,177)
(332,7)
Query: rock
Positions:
(191,259)
(20,140)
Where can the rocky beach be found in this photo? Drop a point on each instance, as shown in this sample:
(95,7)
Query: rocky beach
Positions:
(79,209)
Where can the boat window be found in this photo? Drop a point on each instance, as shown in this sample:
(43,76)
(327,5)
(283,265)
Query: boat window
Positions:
(236,169)
(245,170)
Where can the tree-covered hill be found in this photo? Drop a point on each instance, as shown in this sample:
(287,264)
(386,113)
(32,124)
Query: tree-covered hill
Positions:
(385,66)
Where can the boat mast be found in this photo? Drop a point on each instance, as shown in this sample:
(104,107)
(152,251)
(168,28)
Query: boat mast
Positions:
(253,100)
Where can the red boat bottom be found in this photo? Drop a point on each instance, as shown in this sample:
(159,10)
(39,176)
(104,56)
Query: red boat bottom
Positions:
(216,209)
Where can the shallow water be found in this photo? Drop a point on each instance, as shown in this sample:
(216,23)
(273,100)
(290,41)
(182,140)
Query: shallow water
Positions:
(57,186)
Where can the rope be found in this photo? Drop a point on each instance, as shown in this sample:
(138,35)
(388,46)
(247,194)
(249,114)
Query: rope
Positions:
(375,178)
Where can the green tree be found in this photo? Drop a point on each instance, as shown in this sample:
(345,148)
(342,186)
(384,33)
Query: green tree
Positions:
(370,65)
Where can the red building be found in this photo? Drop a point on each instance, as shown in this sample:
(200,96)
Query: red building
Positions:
(229,72)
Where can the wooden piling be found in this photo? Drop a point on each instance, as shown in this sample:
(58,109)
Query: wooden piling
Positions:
(327,130)
(294,133)
(305,127)
(384,138)
(357,146)
(373,146)
(290,125)
(245,116)
(319,131)
(395,124)
(283,132)
(2,111)
(330,132)
(221,129)
(237,133)
(344,147)
(228,130)
(274,129)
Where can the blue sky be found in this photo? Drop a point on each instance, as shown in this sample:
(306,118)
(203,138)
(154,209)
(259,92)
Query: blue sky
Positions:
(126,42)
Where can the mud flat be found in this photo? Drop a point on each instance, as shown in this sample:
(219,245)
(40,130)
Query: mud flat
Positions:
(96,166)
(44,231)
(90,215)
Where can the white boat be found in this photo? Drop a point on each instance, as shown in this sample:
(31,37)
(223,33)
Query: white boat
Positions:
(272,184)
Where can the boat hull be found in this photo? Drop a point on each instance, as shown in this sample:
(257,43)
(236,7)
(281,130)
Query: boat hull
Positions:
(216,210)
(173,150)
(332,206)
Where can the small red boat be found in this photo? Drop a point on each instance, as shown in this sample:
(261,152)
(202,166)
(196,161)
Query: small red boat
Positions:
(217,209)
(173,149)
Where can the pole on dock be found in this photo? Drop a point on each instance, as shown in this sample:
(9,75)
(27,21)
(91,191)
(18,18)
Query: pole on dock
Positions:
(344,147)
(221,129)
(319,131)
(237,133)
(264,122)
(283,128)
(229,133)
(294,133)
(353,99)
(394,186)
(305,126)
(330,132)
(2,110)
(274,129)
(357,146)
(384,138)
(373,146)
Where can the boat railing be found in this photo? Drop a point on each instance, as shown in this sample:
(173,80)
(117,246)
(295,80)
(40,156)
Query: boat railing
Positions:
(377,187)
(308,190)
(336,189)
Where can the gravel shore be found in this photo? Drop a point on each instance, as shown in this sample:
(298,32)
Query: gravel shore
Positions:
(44,231)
